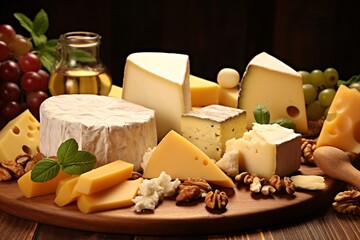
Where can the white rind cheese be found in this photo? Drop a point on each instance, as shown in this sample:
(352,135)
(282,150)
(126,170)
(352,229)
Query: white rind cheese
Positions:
(110,128)
(277,86)
(268,149)
(210,127)
(159,81)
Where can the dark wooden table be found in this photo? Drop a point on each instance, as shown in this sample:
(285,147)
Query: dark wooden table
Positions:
(324,225)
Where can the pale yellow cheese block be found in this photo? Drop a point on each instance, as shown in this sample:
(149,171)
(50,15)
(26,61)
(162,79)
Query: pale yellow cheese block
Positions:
(341,128)
(181,159)
(19,136)
(228,97)
(115,91)
(32,189)
(203,92)
(117,196)
(104,177)
(65,193)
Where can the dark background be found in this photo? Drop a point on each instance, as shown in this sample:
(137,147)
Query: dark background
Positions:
(215,34)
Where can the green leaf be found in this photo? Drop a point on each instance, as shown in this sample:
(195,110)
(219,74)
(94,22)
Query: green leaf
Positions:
(39,40)
(261,114)
(45,170)
(82,56)
(83,162)
(67,151)
(24,21)
(353,79)
(47,59)
(287,123)
(41,23)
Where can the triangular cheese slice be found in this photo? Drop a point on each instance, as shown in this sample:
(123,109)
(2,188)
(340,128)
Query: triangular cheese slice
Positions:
(179,158)
(159,81)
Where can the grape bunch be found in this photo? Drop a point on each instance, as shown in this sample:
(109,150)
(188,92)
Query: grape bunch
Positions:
(319,91)
(23,82)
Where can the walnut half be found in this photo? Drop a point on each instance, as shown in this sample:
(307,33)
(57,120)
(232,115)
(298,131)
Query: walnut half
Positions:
(216,199)
(347,202)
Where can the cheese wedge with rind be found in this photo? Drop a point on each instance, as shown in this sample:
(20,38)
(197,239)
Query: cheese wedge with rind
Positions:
(180,159)
(159,81)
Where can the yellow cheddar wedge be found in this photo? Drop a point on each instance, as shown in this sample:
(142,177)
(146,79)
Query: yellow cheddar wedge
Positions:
(341,128)
(115,92)
(117,196)
(104,177)
(203,92)
(32,189)
(181,159)
(228,97)
(65,193)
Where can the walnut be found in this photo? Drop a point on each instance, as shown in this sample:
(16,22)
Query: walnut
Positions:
(23,159)
(247,178)
(288,185)
(201,183)
(216,199)
(34,160)
(314,127)
(347,202)
(16,169)
(4,174)
(136,175)
(188,193)
(308,147)
(275,181)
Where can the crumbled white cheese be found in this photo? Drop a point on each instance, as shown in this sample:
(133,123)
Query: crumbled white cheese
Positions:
(146,157)
(151,191)
(229,163)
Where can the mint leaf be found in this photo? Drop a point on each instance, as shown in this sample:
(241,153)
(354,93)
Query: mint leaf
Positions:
(41,23)
(67,151)
(24,21)
(83,162)
(39,40)
(82,56)
(45,170)
(285,122)
(261,114)
(47,59)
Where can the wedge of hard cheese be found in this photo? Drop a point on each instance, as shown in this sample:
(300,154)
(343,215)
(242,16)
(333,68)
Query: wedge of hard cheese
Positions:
(277,86)
(268,149)
(180,159)
(65,193)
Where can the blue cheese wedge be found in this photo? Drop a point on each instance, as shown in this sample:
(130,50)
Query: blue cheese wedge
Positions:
(210,127)
(268,149)
(110,128)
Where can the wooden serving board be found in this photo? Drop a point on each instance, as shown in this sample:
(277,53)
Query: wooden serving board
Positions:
(245,211)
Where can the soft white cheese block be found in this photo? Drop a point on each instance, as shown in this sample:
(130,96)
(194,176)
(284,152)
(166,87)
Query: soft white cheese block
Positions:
(159,81)
(110,128)
(277,86)
(268,149)
(210,127)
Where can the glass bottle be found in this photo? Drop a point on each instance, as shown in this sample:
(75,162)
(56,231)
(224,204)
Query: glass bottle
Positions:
(78,68)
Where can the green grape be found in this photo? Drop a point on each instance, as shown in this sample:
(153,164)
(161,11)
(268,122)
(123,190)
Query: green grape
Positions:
(317,78)
(315,110)
(331,77)
(326,96)
(310,93)
(305,76)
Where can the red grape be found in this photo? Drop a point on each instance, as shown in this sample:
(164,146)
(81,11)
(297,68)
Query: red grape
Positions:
(9,91)
(19,46)
(10,110)
(7,33)
(9,71)
(44,80)
(31,81)
(29,62)
(4,51)
(34,100)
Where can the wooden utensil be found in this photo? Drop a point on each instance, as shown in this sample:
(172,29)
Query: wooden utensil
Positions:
(337,164)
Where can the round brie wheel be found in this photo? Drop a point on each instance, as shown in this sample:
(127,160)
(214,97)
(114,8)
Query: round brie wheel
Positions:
(110,128)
